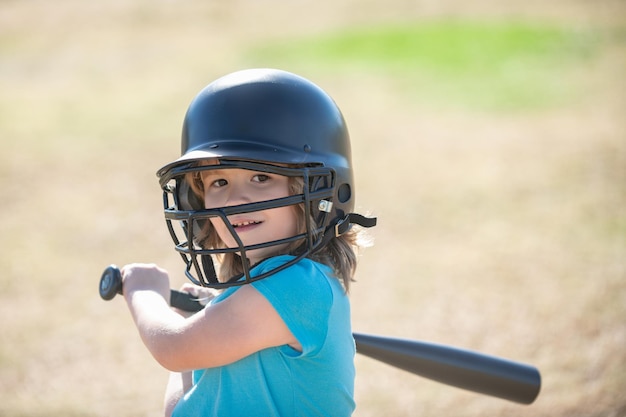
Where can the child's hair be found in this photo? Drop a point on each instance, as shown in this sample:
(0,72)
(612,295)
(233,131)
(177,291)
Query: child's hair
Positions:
(339,253)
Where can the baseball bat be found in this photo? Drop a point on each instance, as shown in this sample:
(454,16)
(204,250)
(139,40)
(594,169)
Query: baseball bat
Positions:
(461,368)
(454,366)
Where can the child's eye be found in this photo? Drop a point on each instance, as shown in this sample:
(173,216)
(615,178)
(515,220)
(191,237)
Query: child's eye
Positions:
(219,183)
(261,178)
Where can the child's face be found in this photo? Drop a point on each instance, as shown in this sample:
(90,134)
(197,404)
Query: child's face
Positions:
(231,187)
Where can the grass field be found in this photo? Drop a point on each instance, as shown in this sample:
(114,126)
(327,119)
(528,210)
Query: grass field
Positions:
(489,140)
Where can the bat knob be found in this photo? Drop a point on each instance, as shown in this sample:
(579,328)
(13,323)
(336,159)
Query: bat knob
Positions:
(110,283)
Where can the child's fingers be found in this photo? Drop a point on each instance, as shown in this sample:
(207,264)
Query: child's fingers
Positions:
(204,295)
(190,288)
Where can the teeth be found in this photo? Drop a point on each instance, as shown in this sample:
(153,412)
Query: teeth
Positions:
(246,223)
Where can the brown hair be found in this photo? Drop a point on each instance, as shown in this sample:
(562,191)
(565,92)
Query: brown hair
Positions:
(339,253)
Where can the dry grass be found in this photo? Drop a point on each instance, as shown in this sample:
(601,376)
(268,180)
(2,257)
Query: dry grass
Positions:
(500,232)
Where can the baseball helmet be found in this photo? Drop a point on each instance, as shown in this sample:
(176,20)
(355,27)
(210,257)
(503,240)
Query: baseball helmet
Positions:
(263,120)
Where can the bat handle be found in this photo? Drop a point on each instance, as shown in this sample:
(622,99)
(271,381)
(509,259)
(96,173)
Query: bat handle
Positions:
(111,285)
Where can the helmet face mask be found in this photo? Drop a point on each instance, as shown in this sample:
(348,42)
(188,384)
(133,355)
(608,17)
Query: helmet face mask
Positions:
(266,121)
(188,221)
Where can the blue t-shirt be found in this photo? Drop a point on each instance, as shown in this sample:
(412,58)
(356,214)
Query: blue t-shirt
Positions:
(280,381)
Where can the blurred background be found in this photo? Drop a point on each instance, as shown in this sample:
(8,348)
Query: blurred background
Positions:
(489,138)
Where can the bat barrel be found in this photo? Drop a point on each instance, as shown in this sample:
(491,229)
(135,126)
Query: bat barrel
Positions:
(461,368)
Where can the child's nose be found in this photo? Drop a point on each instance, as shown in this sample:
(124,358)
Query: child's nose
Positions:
(237,195)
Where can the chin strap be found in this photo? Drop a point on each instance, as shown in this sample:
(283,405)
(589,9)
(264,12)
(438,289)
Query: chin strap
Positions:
(342,225)
(208,267)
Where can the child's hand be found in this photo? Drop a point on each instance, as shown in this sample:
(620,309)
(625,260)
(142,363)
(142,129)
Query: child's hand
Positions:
(141,277)
(202,294)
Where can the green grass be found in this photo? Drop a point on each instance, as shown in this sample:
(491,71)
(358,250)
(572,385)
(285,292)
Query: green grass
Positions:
(489,65)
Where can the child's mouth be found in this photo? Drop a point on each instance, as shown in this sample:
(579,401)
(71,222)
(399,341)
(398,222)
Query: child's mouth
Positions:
(245,224)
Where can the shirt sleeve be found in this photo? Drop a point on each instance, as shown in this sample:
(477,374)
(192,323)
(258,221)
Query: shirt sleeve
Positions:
(302,296)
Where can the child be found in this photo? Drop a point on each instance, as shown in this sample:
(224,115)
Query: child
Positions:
(259,206)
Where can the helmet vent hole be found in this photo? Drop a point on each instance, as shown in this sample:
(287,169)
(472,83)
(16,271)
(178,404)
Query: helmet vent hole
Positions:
(344,193)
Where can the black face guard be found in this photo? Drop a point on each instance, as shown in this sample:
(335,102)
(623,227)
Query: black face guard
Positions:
(186,216)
